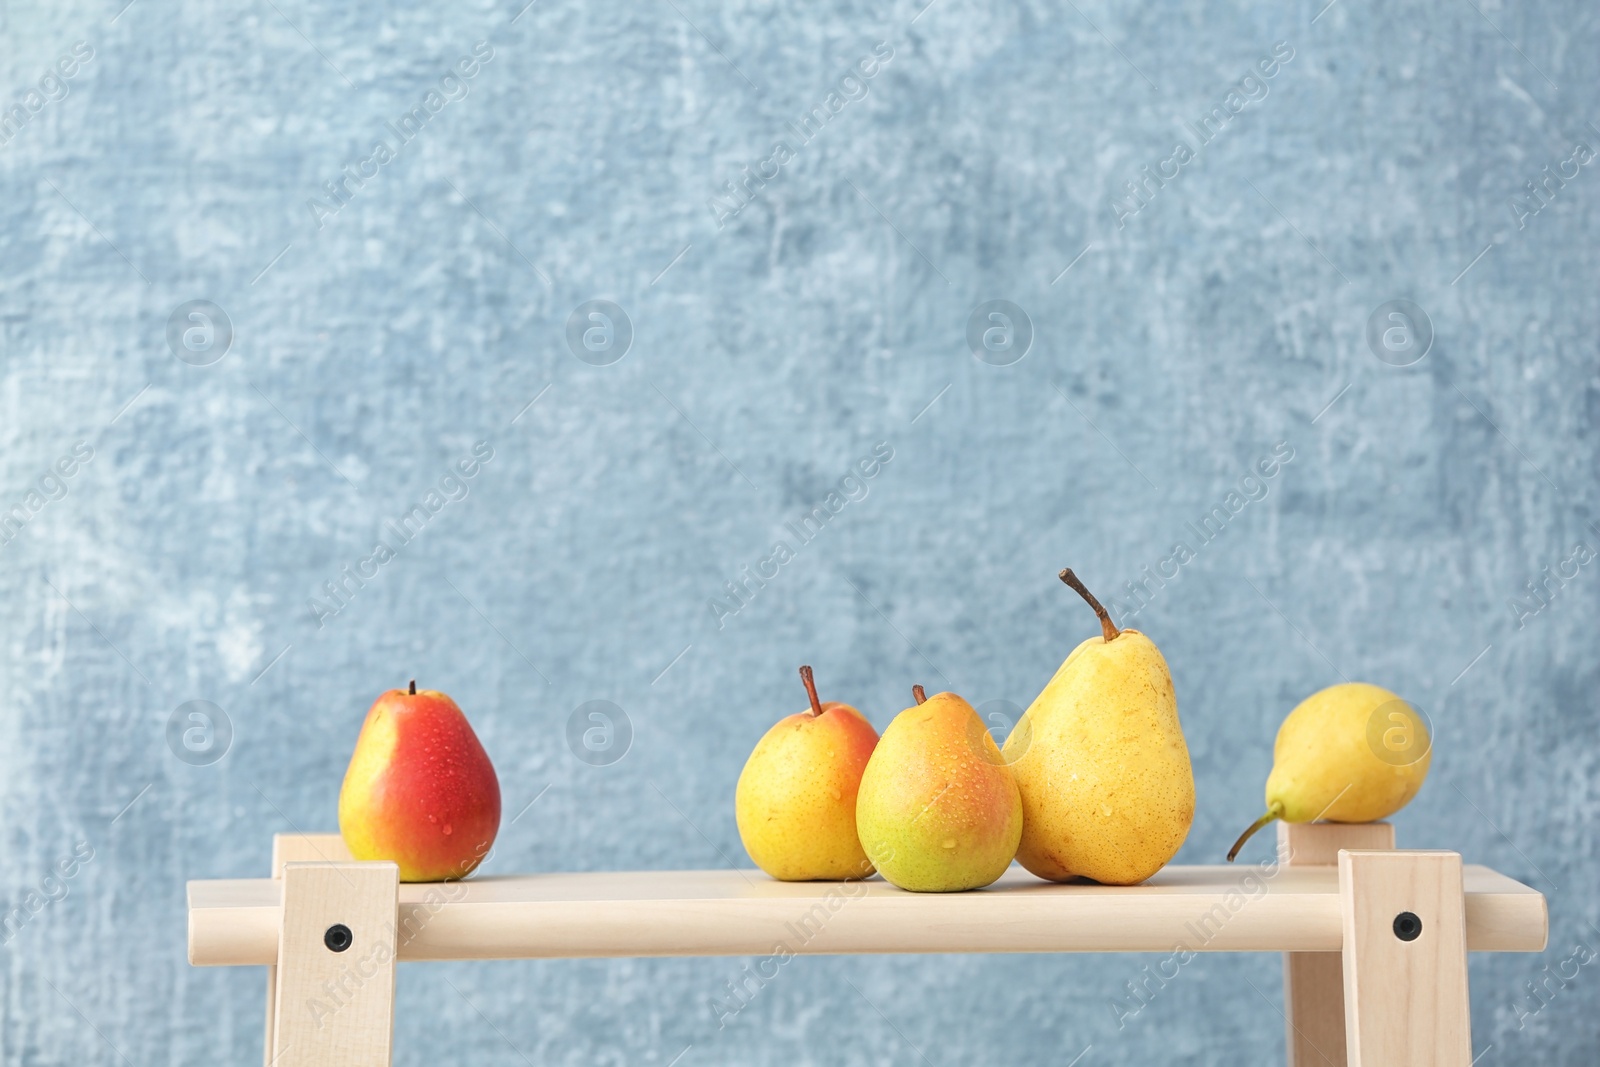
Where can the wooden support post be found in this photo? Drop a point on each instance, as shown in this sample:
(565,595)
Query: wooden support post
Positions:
(1313,982)
(336,957)
(1405,959)
(295,848)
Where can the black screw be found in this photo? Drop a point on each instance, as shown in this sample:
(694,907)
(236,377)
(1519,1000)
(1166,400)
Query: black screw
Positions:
(338,938)
(1407,927)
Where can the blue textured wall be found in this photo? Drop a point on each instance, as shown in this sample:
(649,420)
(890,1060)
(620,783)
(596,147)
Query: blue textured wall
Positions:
(378,335)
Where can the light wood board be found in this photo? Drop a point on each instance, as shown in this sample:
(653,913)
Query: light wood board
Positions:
(1406,1001)
(335,1004)
(294,848)
(1313,982)
(736,913)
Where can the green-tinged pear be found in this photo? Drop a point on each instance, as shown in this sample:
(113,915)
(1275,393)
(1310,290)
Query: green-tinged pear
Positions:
(938,810)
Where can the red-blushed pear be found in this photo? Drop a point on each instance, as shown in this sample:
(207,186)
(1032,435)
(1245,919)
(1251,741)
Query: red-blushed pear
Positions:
(796,798)
(420,789)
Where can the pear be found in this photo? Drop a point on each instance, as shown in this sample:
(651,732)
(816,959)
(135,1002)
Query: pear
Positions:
(420,789)
(938,809)
(796,798)
(1350,753)
(1100,760)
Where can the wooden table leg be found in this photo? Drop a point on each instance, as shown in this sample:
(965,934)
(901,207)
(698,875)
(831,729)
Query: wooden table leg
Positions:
(294,848)
(1313,982)
(1405,959)
(336,949)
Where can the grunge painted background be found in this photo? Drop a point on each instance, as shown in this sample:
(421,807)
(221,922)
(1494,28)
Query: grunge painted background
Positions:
(615,359)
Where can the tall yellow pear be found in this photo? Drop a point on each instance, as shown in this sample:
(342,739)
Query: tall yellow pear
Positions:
(1100,761)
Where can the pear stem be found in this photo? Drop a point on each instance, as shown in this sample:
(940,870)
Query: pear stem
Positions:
(1274,813)
(919,694)
(811,690)
(1107,627)
(413,687)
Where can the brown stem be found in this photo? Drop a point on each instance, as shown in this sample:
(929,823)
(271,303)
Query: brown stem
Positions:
(413,687)
(1274,812)
(1107,627)
(811,691)
(919,694)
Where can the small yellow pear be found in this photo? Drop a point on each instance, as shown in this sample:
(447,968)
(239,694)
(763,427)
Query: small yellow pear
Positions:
(796,798)
(1350,753)
(1100,761)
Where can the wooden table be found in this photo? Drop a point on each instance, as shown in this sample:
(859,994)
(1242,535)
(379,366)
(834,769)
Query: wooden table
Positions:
(1375,939)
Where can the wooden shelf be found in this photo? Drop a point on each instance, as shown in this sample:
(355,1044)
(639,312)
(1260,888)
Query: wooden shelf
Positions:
(1375,939)
(740,913)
